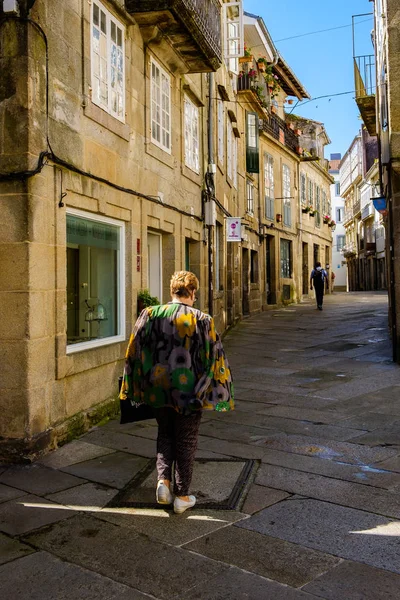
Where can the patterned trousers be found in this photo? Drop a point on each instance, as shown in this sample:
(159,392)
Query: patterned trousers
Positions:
(176,443)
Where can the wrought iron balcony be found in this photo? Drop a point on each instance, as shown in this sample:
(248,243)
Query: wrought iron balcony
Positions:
(349,250)
(277,127)
(365,85)
(191,27)
(356,208)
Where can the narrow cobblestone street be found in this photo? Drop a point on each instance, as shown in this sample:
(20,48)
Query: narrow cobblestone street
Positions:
(317,419)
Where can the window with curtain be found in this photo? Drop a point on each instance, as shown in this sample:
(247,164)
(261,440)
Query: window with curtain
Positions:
(286,259)
(107,61)
(269,193)
(311,192)
(250,196)
(318,206)
(160,107)
(287,201)
(191,118)
(303,191)
(221,131)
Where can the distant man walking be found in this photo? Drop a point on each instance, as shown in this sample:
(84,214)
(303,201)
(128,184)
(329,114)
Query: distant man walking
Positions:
(317,279)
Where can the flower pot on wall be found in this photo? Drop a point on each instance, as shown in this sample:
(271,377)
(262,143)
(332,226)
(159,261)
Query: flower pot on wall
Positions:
(245,59)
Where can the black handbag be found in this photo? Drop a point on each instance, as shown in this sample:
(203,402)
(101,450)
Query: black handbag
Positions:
(131,413)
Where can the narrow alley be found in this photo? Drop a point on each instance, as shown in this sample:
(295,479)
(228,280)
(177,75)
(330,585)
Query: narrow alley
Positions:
(298,488)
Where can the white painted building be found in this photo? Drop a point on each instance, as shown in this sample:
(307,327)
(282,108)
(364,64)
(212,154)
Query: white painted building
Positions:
(338,266)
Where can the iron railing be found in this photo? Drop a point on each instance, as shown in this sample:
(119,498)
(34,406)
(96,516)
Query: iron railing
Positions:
(364,75)
(201,17)
(277,127)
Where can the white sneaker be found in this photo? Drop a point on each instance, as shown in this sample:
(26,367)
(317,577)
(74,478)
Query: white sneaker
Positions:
(163,494)
(181,505)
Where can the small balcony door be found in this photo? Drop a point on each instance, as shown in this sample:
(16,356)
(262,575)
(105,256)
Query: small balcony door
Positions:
(154,264)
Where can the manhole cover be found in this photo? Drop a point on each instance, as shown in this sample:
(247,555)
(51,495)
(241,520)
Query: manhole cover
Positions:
(217,484)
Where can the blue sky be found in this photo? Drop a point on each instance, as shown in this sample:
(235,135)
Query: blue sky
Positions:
(323,62)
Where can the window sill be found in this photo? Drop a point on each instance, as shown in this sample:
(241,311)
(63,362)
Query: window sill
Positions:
(103,118)
(159,154)
(192,175)
(93,344)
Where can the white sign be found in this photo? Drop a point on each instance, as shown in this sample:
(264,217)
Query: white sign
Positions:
(233,229)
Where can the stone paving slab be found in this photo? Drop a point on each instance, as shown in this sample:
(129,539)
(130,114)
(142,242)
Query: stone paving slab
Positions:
(28,513)
(260,497)
(226,430)
(74,452)
(340,531)
(8,493)
(377,477)
(351,453)
(41,576)
(390,436)
(239,585)
(11,549)
(323,416)
(264,555)
(37,479)
(392,464)
(114,470)
(230,448)
(369,421)
(86,496)
(356,581)
(289,425)
(123,442)
(163,525)
(353,495)
(126,556)
(206,473)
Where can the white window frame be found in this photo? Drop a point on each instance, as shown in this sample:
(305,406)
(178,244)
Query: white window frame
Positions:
(221,131)
(120,337)
(269,186)
(233,36)
(250,196)
(191,119)
(107,106)
(287,201)
(235,160)
(158,103)
(303,189)
(229,147)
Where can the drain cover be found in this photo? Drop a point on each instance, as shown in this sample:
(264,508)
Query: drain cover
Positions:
(217,484)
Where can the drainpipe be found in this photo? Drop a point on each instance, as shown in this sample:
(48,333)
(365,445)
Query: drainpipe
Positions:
(210,193)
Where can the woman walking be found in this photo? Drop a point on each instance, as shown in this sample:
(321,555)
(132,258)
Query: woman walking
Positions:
(175,363)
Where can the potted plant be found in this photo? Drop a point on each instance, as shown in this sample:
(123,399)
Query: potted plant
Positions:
(312,212)
(144,299)
(326,219)
(306,209)
(262,64)
(332,223)
(290,101)
(248,57)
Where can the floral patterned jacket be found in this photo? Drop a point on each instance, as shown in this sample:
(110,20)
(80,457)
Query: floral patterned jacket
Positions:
(175,358)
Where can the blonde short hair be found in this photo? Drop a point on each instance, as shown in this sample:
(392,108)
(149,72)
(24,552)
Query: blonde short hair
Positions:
(183,283)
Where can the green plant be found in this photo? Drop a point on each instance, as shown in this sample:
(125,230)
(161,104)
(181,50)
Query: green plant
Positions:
(144,298)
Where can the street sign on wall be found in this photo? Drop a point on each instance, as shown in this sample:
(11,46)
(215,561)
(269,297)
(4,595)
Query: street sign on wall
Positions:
(233,229)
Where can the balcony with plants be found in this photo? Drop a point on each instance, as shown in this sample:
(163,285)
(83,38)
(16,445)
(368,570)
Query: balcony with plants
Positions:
(192,28)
